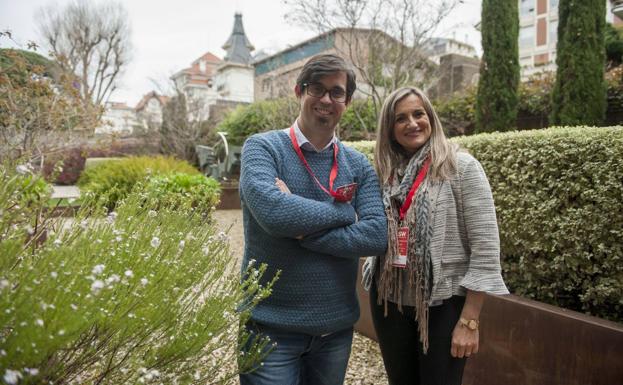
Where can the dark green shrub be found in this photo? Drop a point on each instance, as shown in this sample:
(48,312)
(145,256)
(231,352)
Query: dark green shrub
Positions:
(614,45)
(458,112)
(32,190)
(496,103)
(535,95)
(559,200)
(579,95)
(113,180)
(261,116)
(358,121)
(183,191)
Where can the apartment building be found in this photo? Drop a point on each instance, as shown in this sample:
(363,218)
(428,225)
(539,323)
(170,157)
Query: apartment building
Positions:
(538,33)
(275,75)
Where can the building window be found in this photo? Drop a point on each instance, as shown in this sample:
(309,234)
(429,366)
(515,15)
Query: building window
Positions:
(553,31)
(541,31)
(526,8)
(553,5)
(526,37)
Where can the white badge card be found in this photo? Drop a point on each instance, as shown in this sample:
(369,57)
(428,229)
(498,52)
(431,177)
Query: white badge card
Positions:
(400,260)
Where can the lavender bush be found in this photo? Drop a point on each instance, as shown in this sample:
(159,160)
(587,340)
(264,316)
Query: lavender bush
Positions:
(141,295)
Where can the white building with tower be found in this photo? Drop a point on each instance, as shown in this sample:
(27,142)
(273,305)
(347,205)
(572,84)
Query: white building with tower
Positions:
(211,81)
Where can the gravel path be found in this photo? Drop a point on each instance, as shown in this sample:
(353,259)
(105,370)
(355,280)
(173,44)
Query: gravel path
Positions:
(365,366)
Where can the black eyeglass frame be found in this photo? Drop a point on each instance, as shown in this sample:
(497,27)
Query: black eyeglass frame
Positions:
(307,85)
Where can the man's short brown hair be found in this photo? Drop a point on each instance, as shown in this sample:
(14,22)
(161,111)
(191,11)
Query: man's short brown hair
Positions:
(327,64)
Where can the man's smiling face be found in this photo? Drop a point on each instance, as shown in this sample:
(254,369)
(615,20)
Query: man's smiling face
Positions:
(323,113)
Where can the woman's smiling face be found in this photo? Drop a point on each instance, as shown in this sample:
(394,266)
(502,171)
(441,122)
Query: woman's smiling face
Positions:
(411,123)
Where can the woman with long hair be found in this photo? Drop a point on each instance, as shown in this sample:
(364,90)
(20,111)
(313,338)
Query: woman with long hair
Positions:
(443,253)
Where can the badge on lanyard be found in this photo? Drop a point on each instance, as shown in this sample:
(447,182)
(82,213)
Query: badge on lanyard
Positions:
(402,233)
(345,192)
(402,236)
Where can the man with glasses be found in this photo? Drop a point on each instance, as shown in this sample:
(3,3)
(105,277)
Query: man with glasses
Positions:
(311,208)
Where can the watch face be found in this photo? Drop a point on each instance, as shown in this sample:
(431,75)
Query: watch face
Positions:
(472,324)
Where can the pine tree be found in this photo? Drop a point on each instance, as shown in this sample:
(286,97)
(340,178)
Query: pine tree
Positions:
(497,100)
(579,95)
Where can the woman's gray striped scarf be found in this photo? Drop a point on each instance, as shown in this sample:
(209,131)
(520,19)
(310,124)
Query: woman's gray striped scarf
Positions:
(417,219)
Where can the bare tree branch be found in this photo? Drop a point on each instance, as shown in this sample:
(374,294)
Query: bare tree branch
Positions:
(91,41)
(383,39)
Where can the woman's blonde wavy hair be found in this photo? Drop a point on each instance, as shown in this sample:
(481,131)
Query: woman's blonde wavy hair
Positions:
(388,154)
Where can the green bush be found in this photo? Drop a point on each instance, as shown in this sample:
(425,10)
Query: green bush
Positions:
(535,95)
(113,180)
(559,200)
(145,295)
(457,113)
(358,121)
(184,191)
(32,189)
(261,116)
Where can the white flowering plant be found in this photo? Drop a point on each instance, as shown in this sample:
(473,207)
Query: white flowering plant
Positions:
(140,295)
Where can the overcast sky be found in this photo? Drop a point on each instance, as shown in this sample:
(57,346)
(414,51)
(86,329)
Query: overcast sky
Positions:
(168,35)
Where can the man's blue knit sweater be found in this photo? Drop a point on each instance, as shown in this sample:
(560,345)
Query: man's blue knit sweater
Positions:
(315,293)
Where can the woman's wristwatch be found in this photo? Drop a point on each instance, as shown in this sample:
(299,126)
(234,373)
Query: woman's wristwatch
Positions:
(471,324)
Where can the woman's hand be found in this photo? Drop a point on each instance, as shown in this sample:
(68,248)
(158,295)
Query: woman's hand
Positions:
(464,341)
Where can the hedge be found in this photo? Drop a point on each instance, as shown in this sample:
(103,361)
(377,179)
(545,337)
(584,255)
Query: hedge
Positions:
(559,200)
(113,180)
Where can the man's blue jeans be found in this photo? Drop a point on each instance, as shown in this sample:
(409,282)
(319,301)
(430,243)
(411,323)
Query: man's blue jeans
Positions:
(301,359)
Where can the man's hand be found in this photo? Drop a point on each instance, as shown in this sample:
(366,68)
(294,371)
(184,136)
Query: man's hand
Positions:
(282,186)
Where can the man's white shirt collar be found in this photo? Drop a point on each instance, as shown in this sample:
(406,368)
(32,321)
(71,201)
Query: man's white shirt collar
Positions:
(306,144)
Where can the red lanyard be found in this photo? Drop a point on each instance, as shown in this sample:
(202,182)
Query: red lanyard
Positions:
(416,184)
(333,174)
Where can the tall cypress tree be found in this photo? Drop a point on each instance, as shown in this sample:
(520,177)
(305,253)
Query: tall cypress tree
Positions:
(497,100)
(579,95)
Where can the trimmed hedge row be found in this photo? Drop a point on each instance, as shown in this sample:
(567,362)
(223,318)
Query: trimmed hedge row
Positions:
(559,200)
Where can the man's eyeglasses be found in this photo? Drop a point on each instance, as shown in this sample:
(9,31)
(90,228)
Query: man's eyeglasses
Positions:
(317,90)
